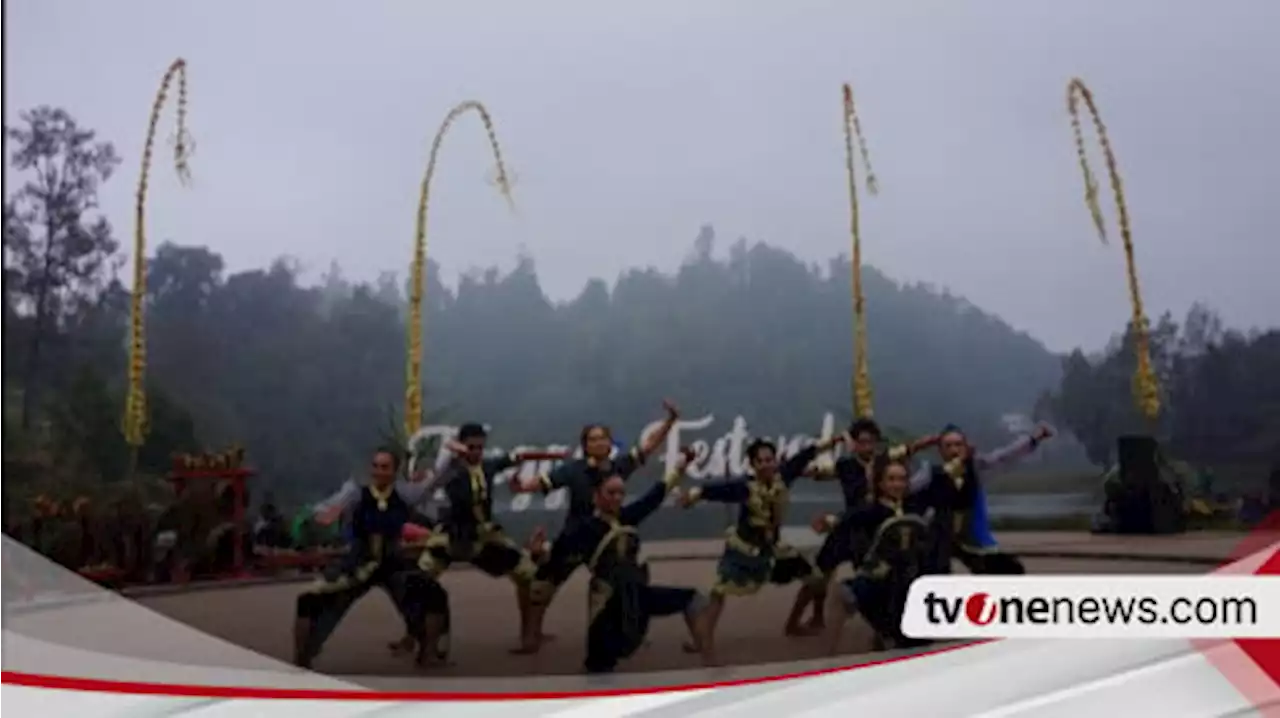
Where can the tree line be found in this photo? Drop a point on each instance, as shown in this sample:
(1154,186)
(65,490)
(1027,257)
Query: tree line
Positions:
(309,376)
(1219,390)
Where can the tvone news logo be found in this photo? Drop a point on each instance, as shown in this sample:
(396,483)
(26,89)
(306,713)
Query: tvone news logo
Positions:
(982,609)
(1092,607)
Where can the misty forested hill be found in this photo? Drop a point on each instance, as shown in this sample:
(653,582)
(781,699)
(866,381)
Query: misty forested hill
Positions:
(309,377)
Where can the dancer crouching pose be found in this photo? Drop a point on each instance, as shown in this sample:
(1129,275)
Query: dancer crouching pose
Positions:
(581,478)
(895,538)
(468,532)
(856,474)
(621,600)
(416,492)
(753,553)
(378,515)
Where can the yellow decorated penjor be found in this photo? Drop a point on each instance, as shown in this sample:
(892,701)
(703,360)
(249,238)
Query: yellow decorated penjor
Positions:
(1146,390)
(413,364)
(135,412)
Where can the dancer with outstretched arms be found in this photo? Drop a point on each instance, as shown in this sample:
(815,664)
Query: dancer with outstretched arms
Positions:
(378,514)
(753,553)
(956,492)
(416,491)
(580,478)
(621,601)
(468,532)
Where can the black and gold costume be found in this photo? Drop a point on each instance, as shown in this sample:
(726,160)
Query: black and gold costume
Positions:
(373,559)
(467,531)
(897,542)
(753,553)
(954,492)
(579,478)
(857,478)
(621,600)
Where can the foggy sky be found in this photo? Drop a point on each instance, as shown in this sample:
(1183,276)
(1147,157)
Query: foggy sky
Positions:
(628,125)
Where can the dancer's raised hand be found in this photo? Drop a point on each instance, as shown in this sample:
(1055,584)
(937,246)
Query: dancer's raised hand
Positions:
(820,524)
(687,455)
(673,411)
(329,515)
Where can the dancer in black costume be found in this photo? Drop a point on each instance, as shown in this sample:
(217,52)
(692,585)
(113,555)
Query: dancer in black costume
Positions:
(580,478)
(621,600)
(416,492)
(378,516)
(753,553)
(468,532)
(955,492)
(856,474)
(887,541)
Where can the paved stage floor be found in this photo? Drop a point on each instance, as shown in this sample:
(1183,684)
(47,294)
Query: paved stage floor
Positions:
(485,621)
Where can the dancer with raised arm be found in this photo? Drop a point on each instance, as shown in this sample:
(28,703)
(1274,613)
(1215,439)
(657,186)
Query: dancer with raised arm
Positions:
(378,515)
(754,554)
(956,493)
(621,600)
(886,540)
(580,478)
(468,532)
(856,474)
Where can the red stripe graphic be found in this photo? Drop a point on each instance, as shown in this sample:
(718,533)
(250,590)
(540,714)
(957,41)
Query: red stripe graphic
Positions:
(66,683)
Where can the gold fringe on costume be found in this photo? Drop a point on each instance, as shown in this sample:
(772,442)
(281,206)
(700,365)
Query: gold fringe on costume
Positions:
(135,412)
(861,374)
(1146,390)
(413,389)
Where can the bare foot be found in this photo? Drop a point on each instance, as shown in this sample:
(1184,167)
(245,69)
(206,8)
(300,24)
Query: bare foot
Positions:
(525,649)
(800,631)
(403,646)
(690,647)
(428,661)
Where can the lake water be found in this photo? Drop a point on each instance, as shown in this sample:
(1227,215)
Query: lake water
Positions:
(710,520)
(1037,506)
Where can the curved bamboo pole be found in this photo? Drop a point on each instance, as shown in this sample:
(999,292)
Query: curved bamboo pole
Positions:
(1146,390)
(413,364)
(135,412)
(861,374)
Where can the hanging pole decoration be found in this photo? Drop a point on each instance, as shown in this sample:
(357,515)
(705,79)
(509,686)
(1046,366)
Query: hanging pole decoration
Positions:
(413,388)
(135,412)
(1146,390)
(861,374)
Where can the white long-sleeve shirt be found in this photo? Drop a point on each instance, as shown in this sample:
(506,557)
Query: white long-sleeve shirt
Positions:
(417,494)
(995,459)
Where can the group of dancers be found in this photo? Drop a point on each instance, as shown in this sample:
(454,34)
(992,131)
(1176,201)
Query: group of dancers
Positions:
(897,524)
